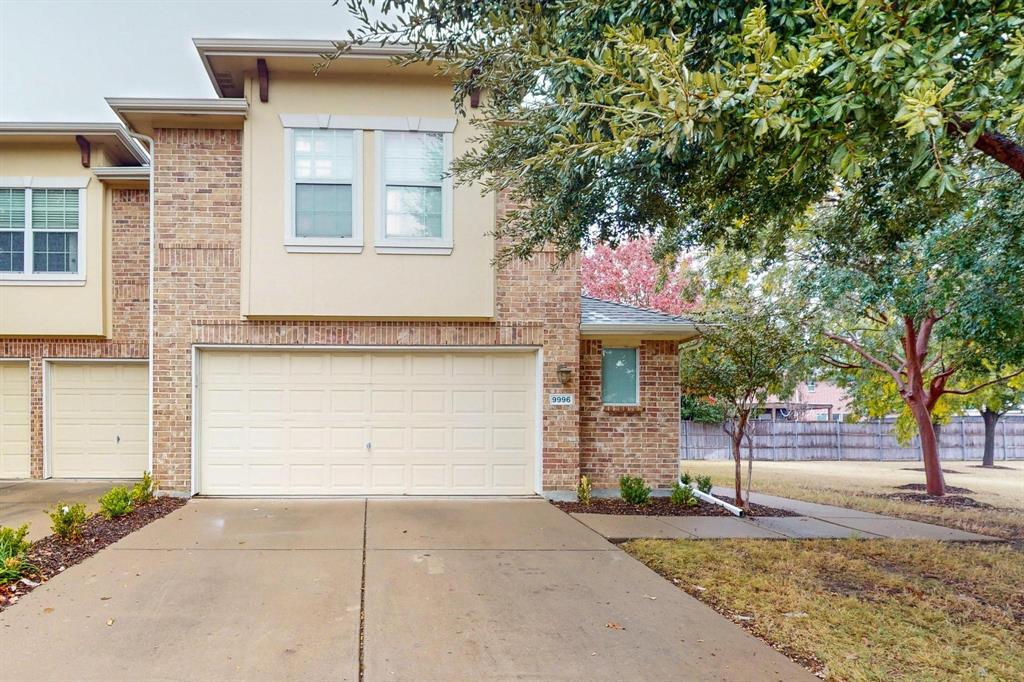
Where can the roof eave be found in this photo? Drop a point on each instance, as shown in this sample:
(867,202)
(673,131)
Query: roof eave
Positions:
(120,173)
(226,109)
(666,331)
(116,130)
(270,47)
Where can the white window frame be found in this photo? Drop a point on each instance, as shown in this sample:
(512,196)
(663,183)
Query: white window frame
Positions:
(292,242)
(26,276)
(636,350)
(442,245)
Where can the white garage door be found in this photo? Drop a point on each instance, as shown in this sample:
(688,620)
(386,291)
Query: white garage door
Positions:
(14,415)
(421,423)
(97,415)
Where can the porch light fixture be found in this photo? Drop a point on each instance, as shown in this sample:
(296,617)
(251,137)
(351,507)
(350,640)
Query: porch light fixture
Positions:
(564,373)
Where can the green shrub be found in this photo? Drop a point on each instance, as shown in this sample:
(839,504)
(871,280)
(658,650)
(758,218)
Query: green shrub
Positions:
(66,520)
(683,496)
(704,484)
(583,490)
(142,491)
(116,502)
(633,490)
(13,547)
(686,478)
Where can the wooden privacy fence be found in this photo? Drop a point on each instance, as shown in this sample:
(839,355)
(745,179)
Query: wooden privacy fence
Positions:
(961,439)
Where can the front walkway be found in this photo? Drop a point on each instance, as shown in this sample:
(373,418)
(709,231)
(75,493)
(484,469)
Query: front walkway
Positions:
(813,521)
(255,589)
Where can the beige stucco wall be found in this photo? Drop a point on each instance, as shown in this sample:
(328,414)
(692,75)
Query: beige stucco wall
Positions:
(279,284)
(60,309)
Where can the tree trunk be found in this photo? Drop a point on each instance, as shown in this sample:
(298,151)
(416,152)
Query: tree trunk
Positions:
(737,455)
(934,481)
(750,469)
(991,418)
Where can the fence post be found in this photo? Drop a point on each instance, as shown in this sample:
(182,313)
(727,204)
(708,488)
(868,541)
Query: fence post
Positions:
(963,441)
(686,442)
(839,440)
(775,453)
(878,440)
(1003,422)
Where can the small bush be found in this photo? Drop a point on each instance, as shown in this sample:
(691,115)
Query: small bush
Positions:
(686,478)
(13,547)
(583,490)
(704,484)
(142,491)
(683,496)
(66,520)
(633,490)
(116,502)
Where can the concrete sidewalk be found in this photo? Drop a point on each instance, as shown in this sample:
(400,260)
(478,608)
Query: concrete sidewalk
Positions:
(813,521)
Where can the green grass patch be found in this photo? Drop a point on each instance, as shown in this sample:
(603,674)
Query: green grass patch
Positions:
(863,609)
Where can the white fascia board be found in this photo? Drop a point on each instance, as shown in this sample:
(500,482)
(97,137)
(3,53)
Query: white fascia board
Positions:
(103,129)
(250,47)
(682,329)
(170,105)
(122,173)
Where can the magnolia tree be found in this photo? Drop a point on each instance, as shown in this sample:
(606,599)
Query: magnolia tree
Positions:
(629,274)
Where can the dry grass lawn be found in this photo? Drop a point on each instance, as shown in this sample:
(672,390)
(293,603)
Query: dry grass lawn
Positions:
(857,485)
(863,609)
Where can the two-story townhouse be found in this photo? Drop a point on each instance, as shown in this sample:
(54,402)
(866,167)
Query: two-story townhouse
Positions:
(74,298)
(327,317)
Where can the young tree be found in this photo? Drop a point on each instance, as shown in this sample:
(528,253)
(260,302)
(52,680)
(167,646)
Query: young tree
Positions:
(713,122)
(629,274)
(750,346)
(926,293)
(994,401)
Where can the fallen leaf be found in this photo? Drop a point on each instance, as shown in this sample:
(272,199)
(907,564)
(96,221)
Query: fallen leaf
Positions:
(614,626)
(48,609)
(650,597)
(700,589)
(110,622)
(104,598)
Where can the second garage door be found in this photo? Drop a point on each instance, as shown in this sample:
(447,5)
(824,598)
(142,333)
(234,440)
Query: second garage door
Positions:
(97,418)
(423,423)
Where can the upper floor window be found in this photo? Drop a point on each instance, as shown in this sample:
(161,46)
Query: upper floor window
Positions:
(324,188)
(41,235)
(414,196)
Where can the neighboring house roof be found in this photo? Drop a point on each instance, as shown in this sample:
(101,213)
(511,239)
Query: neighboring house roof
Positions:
(121,147)
(601,318)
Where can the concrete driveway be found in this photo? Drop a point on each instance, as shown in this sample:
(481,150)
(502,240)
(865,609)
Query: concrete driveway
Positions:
(250,589)
(28,501)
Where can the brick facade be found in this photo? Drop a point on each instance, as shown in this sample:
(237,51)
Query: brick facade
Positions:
(641,440)
(197,280)
(130,312)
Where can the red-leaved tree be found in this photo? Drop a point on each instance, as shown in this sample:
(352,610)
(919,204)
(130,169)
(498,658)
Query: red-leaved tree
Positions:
(628,274)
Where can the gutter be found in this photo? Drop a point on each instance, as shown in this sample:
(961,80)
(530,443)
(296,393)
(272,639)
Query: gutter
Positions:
(597,328)
(151,144)
(711,499)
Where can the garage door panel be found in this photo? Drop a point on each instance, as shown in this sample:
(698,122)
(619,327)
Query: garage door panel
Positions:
(15,382)
(363,423)
(97,419)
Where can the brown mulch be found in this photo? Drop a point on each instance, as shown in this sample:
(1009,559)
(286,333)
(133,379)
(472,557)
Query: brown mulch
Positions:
(51,555)
(921,487)
(945,471)
(660,506)
(994,466)
(952,501)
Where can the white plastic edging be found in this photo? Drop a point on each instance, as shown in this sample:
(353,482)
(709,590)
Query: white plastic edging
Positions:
(734,510)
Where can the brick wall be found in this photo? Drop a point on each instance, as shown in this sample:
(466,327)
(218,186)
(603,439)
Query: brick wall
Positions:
(197,282)
(130,312)
(641,440)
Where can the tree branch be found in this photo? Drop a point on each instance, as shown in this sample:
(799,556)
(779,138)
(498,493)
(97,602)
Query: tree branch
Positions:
(864,353)
(969,391)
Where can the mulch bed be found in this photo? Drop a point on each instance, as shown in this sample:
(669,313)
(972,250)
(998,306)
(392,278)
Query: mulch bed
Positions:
(921,487)
(951,501)
(51,555)
(660,506)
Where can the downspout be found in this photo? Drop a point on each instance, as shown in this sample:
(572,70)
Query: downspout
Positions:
(152,254)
